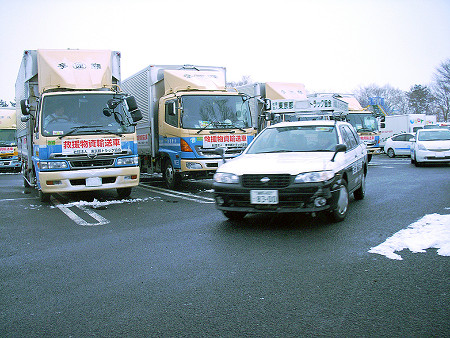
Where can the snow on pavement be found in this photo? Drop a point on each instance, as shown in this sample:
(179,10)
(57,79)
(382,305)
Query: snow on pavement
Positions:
(431,231)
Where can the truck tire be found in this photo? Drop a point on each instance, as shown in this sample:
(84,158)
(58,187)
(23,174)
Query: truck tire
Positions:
(44,197)
(171,178)
(123,192)
(340,210)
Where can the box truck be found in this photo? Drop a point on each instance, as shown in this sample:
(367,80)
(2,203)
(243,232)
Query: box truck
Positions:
(75,127)
(9,160)
(187,114)
(397,124)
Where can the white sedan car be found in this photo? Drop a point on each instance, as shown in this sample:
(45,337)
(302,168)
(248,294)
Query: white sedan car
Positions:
(306,166)
(431,145)
(398,145)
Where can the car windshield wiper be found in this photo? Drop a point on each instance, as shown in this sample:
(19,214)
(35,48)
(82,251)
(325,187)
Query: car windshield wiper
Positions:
(74,129)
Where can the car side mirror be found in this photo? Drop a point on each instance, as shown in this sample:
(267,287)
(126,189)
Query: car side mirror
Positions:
(340,148)
(412,140)
(221,152)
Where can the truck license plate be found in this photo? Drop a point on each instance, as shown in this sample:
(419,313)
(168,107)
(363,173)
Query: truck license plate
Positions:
(264,196)
(93,182)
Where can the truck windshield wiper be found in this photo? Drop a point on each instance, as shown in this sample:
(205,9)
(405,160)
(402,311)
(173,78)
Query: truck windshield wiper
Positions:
(74,129)
(106,132)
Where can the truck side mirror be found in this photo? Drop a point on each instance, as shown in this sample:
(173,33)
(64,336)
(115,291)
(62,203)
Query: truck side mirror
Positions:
(135,113)
(25,107)
(269,116)
(267,104)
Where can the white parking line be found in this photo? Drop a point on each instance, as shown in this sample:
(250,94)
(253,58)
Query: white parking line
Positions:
(177,194)
(77,219)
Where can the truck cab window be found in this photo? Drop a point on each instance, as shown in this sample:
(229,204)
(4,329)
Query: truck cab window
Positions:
(171,114)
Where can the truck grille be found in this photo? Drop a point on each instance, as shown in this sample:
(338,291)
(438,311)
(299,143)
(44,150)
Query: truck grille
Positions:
(100,163)
(259,181)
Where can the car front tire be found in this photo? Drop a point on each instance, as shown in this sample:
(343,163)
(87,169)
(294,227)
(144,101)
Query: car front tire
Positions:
(340,210)
(234,215)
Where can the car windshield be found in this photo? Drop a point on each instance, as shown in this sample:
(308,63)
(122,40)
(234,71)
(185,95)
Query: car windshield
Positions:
(82,114)
(434,135)
(295,139)
(215,112)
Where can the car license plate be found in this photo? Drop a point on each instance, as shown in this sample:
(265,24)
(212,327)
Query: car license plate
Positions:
(93,182)
(439,155)
(264,196)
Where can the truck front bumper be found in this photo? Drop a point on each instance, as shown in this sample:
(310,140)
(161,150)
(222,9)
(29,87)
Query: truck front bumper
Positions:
(88,180)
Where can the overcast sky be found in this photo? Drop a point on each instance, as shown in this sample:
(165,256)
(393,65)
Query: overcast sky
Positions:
(332,46)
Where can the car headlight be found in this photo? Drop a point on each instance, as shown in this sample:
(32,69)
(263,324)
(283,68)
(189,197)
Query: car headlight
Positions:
(226,178)
(128,160)
(52,165)
(420,146)
(315,176)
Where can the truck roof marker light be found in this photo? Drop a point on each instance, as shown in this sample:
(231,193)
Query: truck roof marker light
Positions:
(185,146)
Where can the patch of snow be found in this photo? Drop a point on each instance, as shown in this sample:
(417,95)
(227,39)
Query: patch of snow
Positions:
(431,231)
(97,204)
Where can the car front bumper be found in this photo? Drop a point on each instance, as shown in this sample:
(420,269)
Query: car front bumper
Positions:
(295,198)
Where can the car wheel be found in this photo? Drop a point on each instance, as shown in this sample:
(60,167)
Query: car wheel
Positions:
(361,191)
(340,210)
(234,215)
(391,153)
(124,192)
(171,178)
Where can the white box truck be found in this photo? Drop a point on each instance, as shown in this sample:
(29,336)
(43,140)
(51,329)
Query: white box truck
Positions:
(9,160)
(75,128)
(397,124)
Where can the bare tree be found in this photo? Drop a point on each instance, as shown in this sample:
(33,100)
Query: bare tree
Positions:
(395,99)
(441,89)
(246,79)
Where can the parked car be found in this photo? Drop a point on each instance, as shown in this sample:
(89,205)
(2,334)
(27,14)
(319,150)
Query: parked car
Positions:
(306,166)
(431,145)
(398,145)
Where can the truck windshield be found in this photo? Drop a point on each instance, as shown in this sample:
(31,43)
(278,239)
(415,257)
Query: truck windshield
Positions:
(363,122)
(7,137)
(215,112)
(82,114)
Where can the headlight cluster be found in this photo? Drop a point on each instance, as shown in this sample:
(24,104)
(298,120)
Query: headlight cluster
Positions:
(315,176)
(421,146)
(128,161)
(52,165)
(226,178)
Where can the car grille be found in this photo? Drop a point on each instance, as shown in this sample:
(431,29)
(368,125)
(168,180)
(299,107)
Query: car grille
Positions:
(260,181)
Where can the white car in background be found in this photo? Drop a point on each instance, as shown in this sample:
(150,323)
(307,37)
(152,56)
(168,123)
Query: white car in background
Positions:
(431,145)
(398,145)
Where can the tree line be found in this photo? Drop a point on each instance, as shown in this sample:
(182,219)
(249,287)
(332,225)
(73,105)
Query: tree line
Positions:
(433,99)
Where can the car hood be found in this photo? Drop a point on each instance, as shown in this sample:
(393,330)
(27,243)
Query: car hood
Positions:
(280,163)
(437,144)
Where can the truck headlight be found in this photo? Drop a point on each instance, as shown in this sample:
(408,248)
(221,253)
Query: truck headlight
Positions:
(127,161)
(52,165)
(226,178)
(314,176)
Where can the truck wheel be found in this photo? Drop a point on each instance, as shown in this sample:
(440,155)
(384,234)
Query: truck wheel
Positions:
(124,192)
(340,210)
(171,178)
(44,197)
(234,215)
(391,153)
(361,191)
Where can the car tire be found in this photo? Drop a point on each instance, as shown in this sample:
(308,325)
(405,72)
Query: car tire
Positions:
(234,215)
(361,191)
(391,153)
(340,210)
(171,178)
